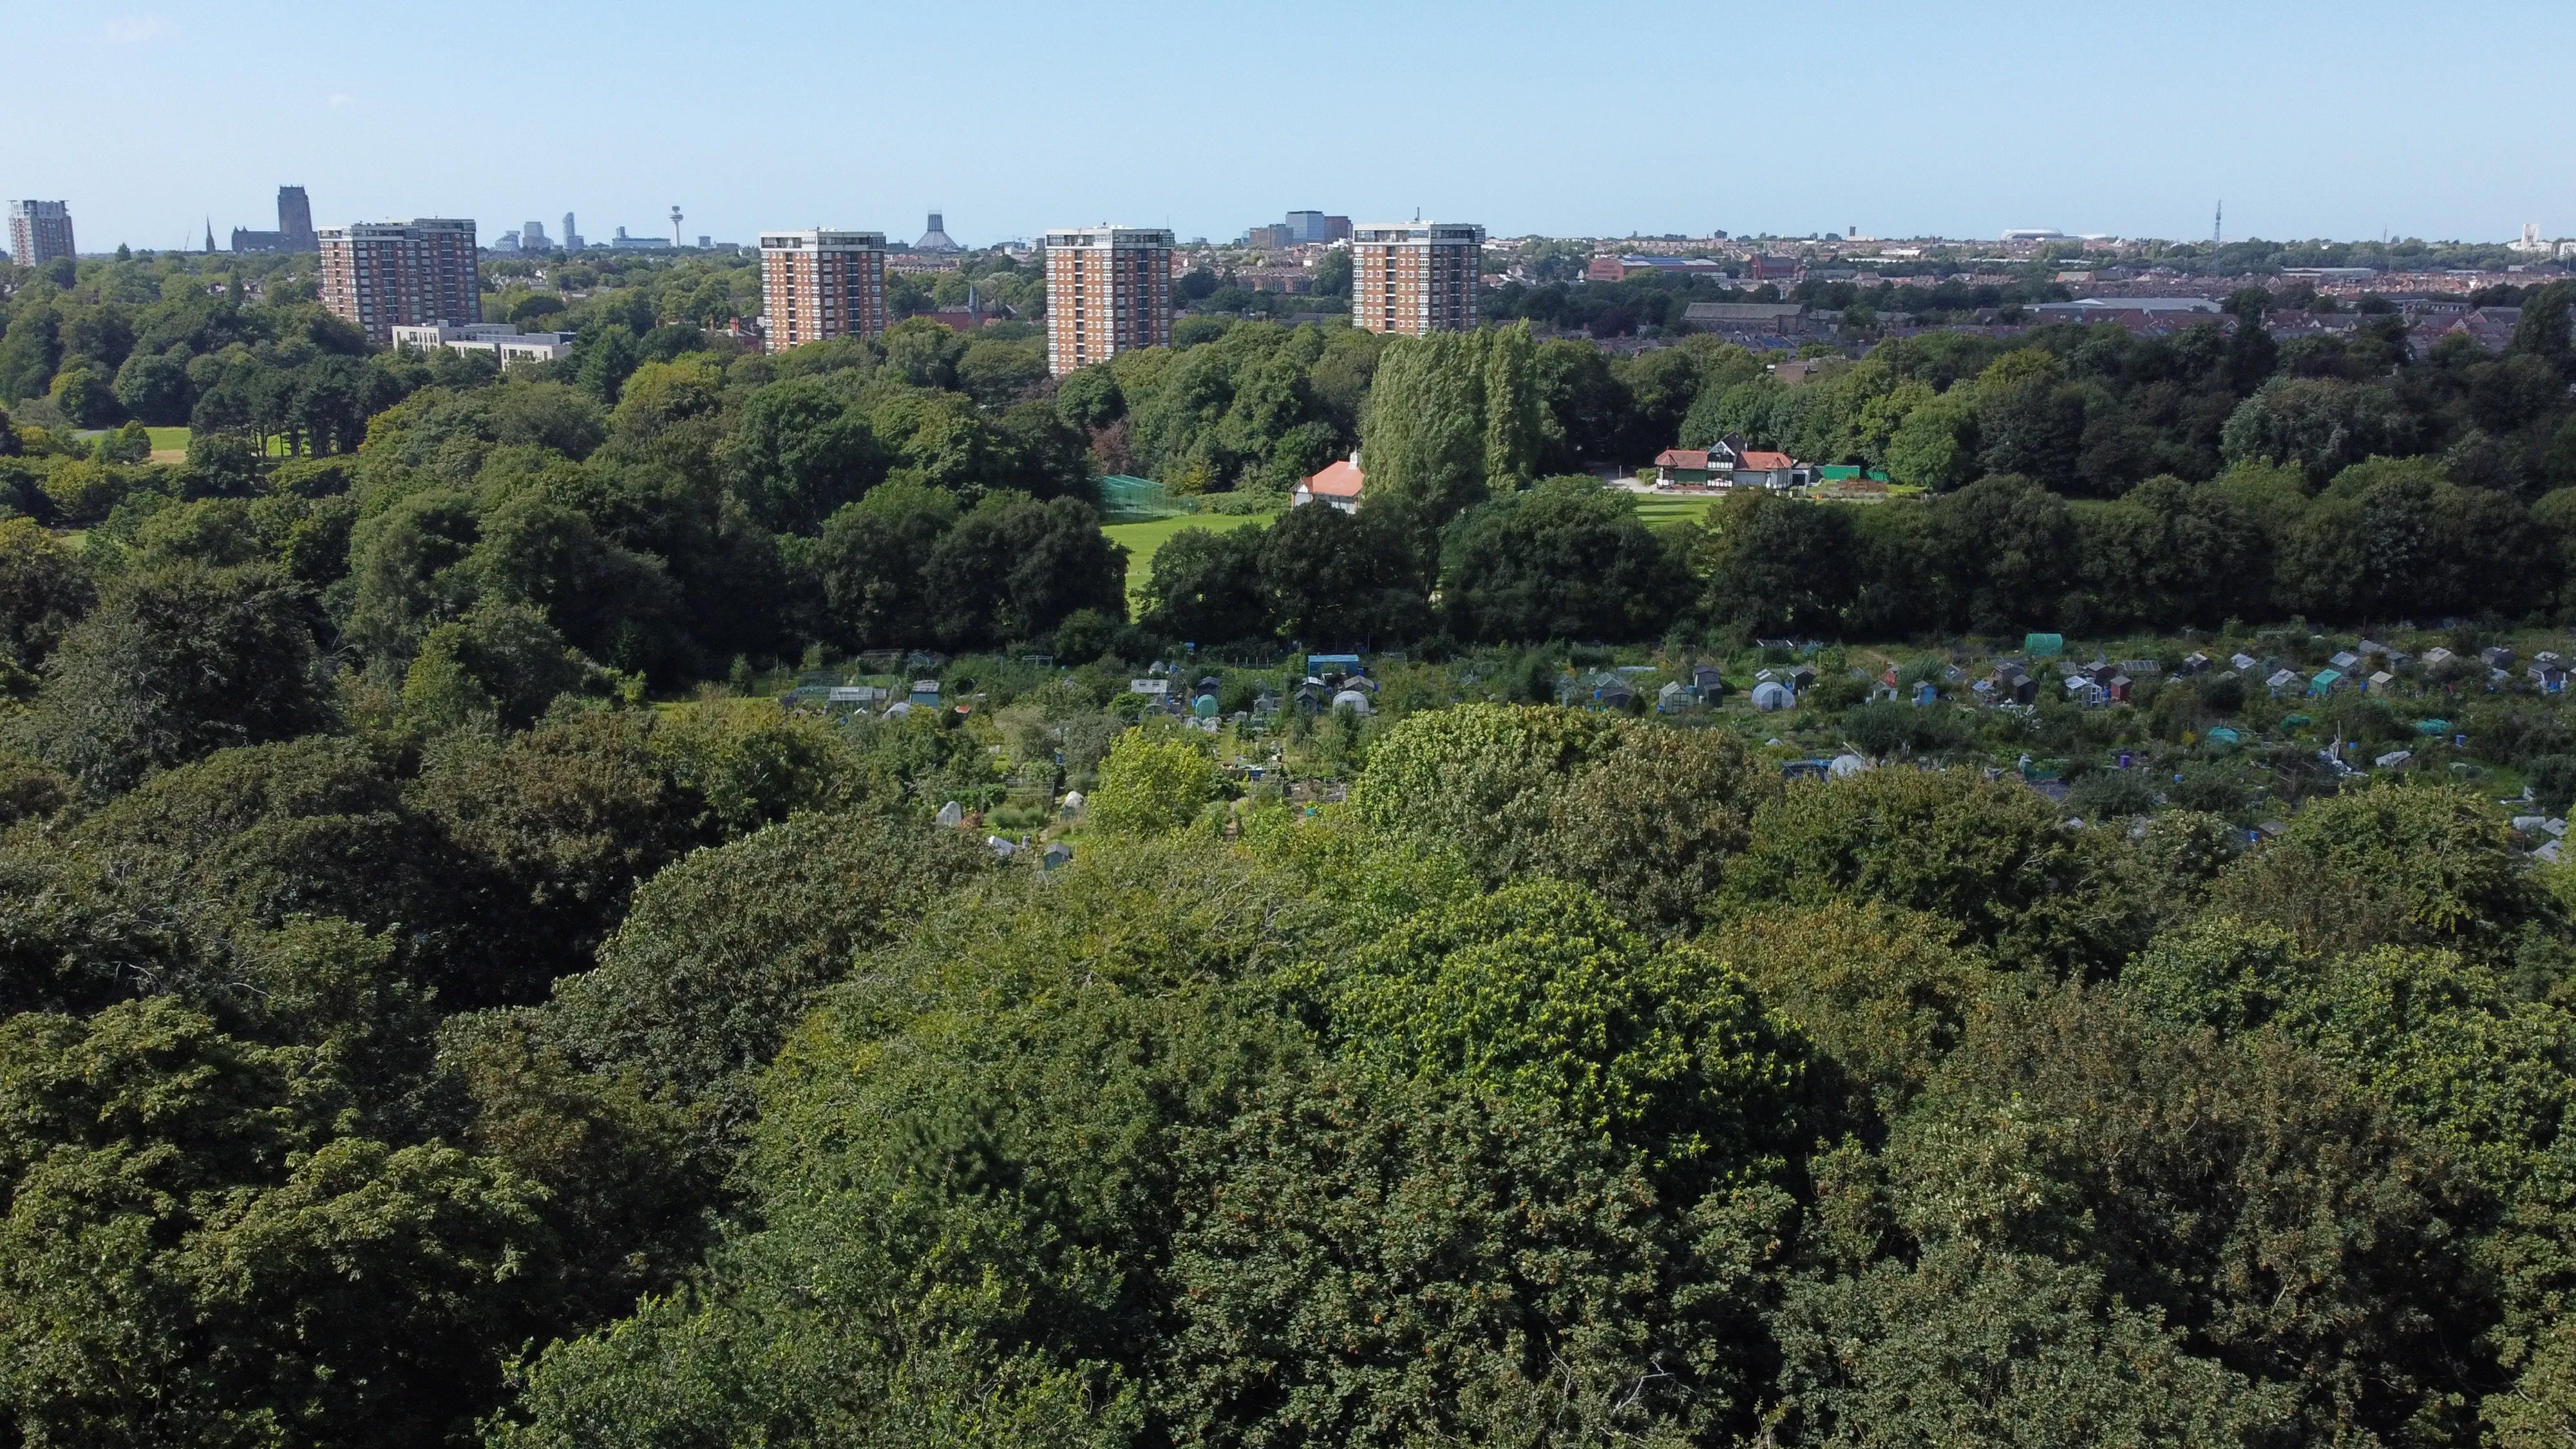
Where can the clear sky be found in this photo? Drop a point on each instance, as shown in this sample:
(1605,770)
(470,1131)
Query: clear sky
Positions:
(2309,119)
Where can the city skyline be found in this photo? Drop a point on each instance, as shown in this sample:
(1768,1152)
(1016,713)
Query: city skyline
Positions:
(189,235)
(1253,232)
(1893,120)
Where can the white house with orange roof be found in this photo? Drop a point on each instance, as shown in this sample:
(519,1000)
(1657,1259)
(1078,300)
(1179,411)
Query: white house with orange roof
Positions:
(1338,483)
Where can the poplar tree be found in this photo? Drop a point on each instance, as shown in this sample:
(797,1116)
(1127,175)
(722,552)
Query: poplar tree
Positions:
(1512,428)
(1423,445)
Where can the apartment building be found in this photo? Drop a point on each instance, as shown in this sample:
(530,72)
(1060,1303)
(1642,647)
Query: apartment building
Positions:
(387,274)
(820,284)
(39,231)
(1109,290)
(1415,277)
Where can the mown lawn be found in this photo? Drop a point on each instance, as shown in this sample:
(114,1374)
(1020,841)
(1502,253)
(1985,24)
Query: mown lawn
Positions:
(169,445)
(1657,510)
(1142,539)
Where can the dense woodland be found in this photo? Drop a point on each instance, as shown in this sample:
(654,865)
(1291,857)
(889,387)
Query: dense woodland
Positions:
(443,1001)
(666,1078)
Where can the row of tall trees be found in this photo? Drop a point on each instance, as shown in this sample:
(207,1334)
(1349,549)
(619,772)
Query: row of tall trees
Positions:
(493,543)
(2092,411)
(2310,484)
(1568,560)
(159,344)
(1262,405)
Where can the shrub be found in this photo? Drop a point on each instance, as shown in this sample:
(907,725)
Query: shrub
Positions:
(1152,782)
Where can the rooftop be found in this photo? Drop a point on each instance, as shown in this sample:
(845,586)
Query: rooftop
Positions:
(1340,478)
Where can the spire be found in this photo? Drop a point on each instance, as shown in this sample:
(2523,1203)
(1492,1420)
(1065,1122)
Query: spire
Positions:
(210,236)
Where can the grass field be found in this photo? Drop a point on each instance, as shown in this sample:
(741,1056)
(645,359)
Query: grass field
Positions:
(170,445)
(1659,510)
(1142,539)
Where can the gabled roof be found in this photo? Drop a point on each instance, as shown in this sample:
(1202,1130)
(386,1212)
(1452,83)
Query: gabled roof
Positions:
(1341,478)
(1682,458)
(1759,461)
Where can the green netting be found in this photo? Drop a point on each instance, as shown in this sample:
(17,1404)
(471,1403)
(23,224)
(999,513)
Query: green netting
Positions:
(1125,499)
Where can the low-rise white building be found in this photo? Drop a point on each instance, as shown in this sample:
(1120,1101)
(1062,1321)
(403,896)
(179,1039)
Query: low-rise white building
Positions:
(1338,484)
(506,343)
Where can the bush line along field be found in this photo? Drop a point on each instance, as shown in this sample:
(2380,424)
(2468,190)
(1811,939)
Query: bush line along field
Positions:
(463,978)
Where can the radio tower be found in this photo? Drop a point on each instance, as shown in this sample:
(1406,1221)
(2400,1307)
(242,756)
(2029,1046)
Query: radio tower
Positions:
(675,226)
(2217,223)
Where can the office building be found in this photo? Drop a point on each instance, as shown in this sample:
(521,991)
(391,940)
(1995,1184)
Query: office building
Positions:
(498,340)
(294,227)
(1315,226)
(39,231)
(1302,228)
(532,237)
(1415,277)
(572,238)
(387,274)
(1109,290)
(820,284)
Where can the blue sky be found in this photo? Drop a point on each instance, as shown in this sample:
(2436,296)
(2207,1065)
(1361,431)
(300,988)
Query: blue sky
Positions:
(2309,119)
